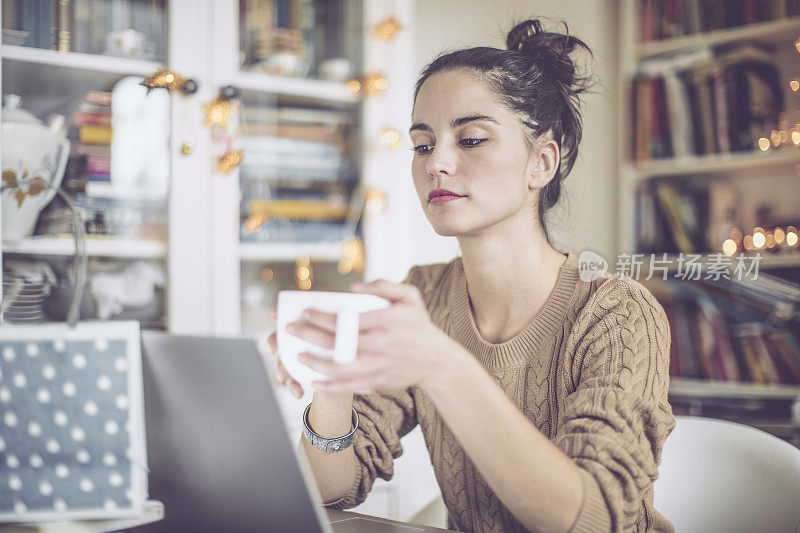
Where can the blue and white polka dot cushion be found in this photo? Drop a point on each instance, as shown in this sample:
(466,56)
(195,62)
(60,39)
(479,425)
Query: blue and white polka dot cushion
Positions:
(72,441)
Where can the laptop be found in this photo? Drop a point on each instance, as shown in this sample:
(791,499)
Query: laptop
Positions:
(219,455)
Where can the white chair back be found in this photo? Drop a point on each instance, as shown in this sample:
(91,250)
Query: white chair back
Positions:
(717,475)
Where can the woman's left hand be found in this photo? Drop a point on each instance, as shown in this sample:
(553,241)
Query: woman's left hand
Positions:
(397,346)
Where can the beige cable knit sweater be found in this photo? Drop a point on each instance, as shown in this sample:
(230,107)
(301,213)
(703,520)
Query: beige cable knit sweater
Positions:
(590,372)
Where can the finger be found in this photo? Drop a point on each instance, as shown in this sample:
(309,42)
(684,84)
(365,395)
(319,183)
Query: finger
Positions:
(283,376)
(366,383)
(274,312)
(321,319)
(394,292)
(312,334)
(374,320)
(281,373)
(296,389)
(272,343)
(334,370)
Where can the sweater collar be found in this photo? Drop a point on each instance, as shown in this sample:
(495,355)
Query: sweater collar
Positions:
(520,348)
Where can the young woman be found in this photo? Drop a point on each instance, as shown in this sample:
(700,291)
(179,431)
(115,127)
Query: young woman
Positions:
(542,397)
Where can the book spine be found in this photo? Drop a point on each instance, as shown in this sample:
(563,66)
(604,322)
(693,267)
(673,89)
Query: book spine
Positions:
(27,20)
(81,24)
(81,118)
(95,134)
(9,14)
(64,25)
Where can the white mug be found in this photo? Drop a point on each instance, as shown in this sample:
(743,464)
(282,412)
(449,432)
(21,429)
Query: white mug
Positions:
(347,306)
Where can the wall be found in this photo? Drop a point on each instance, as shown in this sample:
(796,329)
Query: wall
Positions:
(585,216)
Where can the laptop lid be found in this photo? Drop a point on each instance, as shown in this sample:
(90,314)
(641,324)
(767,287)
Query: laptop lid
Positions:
(219,453)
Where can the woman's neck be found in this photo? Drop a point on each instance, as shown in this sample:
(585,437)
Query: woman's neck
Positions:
(508,282)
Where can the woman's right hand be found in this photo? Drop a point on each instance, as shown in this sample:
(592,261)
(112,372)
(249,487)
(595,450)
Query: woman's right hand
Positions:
(280,371)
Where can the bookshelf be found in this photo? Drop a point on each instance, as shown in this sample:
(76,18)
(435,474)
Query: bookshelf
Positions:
(760,177)
(211,273)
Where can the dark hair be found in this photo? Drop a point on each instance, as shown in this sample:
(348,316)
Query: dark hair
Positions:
(536,78)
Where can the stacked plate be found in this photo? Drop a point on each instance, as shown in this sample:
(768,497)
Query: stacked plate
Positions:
(24,297)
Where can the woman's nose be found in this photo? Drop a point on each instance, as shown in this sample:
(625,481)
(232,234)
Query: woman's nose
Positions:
(440,160)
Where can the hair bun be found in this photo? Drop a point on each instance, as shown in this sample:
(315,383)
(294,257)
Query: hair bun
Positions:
(522,34)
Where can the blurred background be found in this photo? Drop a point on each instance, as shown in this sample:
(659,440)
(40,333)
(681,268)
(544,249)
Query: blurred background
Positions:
(211,153)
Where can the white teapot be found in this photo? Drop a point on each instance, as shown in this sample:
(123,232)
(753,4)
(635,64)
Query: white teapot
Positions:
(33,161)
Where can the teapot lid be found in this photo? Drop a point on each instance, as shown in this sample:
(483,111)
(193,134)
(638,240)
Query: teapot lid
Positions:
(13,112)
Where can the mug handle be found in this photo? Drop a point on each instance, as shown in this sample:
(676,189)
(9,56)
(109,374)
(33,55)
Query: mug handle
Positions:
(346,342)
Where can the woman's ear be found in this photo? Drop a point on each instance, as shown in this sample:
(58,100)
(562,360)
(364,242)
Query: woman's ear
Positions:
(543,164)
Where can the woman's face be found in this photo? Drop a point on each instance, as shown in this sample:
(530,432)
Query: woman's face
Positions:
(469,143)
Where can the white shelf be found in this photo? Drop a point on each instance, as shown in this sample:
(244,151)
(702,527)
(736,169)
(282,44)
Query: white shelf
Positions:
(324,251)
(715,389)
(716,163)
(80,61)
(768,260)
(99,247)
(322,90)
(769,30)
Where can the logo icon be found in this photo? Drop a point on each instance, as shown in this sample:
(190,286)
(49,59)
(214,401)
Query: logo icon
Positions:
(591,265)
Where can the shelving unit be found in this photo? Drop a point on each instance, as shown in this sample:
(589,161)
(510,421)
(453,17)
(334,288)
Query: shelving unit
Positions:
(783,31)
(203,255)
(725,166)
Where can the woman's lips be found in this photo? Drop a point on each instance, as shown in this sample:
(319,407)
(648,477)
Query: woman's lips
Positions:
(444,198)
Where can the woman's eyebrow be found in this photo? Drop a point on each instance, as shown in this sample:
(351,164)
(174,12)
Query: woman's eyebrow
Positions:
(456,122)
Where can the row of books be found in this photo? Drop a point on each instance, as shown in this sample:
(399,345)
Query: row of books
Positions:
(297,179)
(739,331)
(687,216)
(696,104)
(672,216)
(296,143)
(310,30)
(90,133)
(89,26)
(664,19)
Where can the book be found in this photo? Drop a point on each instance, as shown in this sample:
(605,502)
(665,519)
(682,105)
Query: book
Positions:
(80,118)
(81,148)
(64,26)
(94,134)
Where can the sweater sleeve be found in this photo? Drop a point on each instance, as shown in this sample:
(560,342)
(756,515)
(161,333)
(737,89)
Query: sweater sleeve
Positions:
(385,416)
(617,418)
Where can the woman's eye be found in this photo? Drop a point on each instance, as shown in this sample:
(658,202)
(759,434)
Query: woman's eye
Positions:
(422,149)
(471,142)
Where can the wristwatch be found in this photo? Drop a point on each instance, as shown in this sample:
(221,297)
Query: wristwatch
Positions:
(333,445)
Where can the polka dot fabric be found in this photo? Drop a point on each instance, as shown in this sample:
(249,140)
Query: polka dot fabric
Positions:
(68,442)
